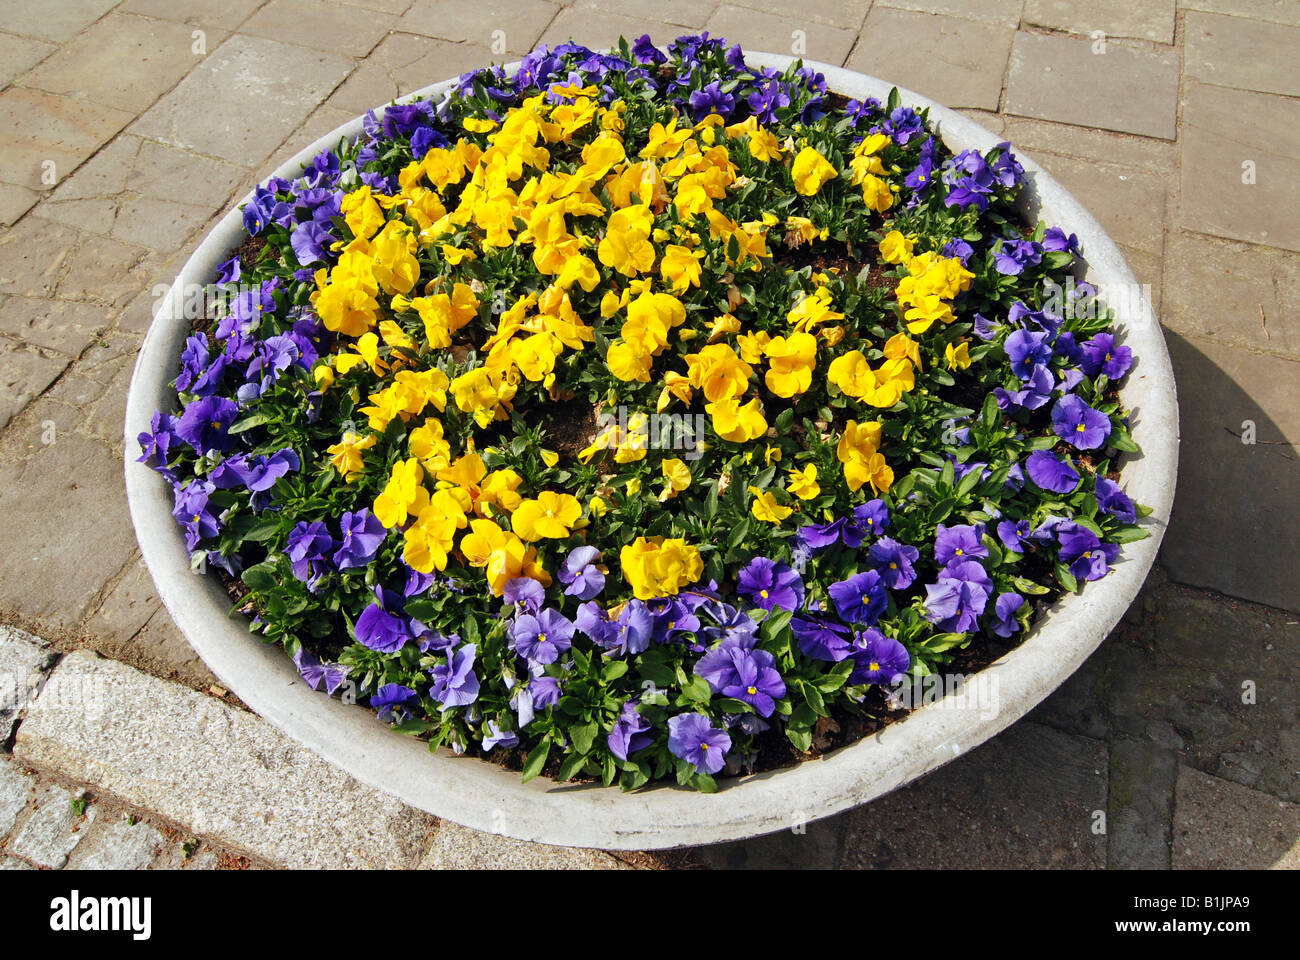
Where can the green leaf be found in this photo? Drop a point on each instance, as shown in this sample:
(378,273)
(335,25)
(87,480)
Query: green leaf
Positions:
(1130,534)
(613,670)
(584,735)
(536,760)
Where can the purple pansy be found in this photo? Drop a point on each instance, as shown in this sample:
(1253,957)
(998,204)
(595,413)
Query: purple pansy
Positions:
(771,584)
(1079,424)
(454,683)
(861,598)
(1050,472)
(878,658)
(692,738)
(541,639)
(894,561)
(1084,553)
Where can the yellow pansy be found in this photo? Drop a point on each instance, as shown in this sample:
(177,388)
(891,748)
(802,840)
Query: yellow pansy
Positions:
(803,483)
(346,454)
(658,567)
(551,515)
(735,423)
(958,358)
(766,508)
(810,170)
(791,360)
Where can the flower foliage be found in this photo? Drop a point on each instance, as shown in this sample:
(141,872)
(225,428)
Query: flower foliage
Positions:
(639,407)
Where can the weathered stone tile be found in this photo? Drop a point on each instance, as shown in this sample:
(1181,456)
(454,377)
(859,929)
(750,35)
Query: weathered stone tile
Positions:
(1276,11)
(1003,12)
(127,607)
(994,123)
(33,256)
(55,20)
(118,844)
(1097,146)
(161,649)
(223,773)
(798,36)
(1223,826)
(15,201)
(1226,532)
(1148,20)
(957,62)
(1129,203)
(520,22)
(52,830)
(1140,815)
(61,325)
(204,13)
(1241,53)
(1124,89)
(16,791)
(18,54)
(395,7)
(121,61)
(48,136)
(801,846)
(1232,293)
(23,659)
(404,63)
(847,14)
(602,30)
(244,99)
(326,26)
(1241,165)
(51,568)
(25,373)
(459,848)
(1026,799)
(99,269)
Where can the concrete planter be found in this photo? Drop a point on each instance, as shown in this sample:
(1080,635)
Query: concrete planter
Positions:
(486,797)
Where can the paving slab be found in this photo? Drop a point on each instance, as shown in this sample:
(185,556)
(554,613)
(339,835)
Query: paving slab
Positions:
(244,99)
(795,35)
(1060,78)
(63,325)
(1220,825)
(161,649)
(957,62)
(58,548)
(1275,11)
(55,20)
(47,136)
(1240,165)
(403,63)
(1098,146)
(1242,53)
(599,30)
(1235,294)
(17,789)
(33,256)
(1128,201)
(1026,799)
(52,830)
(24,659)
(1214,679)
(1227,531)
(15,201)
(335,27)
(121,61)
(203,13)
(1003,12)
(18,54)
(225,774)
(519,22)
(25,373)
(847,14)
(1148,20)
(454,847)
(118,844)
(1140,805)
(802,846)
(102,270)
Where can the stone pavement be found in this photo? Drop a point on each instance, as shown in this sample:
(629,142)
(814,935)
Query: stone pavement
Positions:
(130,127)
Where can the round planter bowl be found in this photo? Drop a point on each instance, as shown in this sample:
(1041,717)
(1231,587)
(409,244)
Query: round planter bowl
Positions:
(486,797)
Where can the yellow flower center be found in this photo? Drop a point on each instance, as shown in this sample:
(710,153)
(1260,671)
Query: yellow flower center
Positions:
(751,690)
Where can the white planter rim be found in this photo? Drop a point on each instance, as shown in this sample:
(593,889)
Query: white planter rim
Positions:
(486,797)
